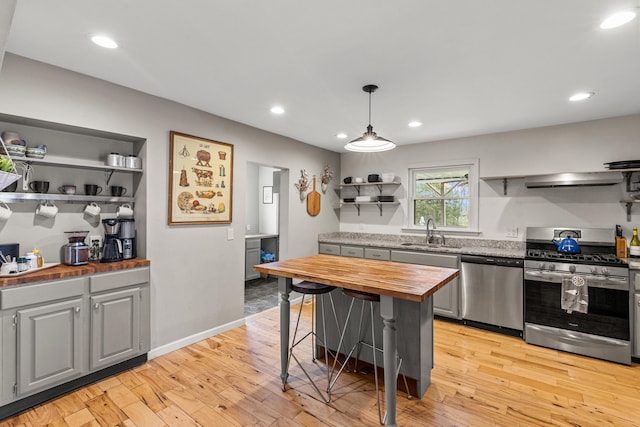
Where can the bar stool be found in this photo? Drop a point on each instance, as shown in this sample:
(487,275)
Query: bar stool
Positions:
(311,288)
(370,298)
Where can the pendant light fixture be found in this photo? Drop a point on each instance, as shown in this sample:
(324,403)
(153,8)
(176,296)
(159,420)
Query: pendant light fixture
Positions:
(370,142)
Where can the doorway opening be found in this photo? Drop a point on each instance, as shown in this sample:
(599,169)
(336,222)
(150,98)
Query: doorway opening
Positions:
(265,232)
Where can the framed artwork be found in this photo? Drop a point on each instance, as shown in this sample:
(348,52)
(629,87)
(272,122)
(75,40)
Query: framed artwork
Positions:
(267,194)
(200,180)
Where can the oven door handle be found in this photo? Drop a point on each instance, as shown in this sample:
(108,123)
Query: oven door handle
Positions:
(545,276)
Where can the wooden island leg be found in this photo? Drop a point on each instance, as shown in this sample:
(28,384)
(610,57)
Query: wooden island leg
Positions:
(390,348)
(284,288)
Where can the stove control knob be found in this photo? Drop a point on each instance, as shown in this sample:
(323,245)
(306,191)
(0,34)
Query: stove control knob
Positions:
(552,267)
(605,271)
(594,270)
(572,269)
(541,266)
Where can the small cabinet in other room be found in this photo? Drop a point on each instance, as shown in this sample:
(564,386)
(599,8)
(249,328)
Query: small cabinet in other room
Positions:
(252,257)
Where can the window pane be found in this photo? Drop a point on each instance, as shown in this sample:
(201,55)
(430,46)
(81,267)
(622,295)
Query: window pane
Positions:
(425,209)
(442,184)
(457,213)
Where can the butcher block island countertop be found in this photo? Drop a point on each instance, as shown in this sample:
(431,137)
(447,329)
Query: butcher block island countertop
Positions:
(63,271)
(404,281)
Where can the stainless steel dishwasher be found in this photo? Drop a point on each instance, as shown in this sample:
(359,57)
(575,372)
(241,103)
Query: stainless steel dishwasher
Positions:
(492,291)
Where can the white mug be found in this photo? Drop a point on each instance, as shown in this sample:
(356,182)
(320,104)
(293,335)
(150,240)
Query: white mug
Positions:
(124,211)
(5,212)
(92,209)
(9,267)
(47,210)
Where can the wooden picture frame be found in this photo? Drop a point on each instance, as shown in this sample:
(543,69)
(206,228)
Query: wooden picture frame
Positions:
(200,180)
(267,195)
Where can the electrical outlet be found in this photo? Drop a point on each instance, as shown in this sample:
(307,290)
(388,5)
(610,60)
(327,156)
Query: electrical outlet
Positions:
(248,227)
(512,232)
(95,247)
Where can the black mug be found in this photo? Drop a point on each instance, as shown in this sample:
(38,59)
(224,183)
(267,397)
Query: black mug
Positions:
(117,191)
(92,189)
(39,186)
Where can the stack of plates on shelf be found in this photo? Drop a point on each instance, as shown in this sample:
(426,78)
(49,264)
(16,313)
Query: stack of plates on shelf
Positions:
(385,198)
(623,164)
(360,199)
(349,199)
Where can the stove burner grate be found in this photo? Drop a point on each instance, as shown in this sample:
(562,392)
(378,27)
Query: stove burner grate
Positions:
(601,259)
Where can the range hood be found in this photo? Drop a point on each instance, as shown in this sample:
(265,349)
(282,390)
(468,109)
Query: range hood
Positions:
(583,179)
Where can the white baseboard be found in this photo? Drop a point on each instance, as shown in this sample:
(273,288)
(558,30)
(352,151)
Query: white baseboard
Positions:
(183,342)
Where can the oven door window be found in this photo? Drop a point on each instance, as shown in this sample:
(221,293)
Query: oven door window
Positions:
(608,313)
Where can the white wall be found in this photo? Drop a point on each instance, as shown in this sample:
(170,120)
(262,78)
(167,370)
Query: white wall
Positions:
(576,147)
(197,275)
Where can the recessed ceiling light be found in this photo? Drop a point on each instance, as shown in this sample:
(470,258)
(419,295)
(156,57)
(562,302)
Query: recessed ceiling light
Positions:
(104,41)
(277,110)
(415,124)
(341,135)
(618,19)
(581,96)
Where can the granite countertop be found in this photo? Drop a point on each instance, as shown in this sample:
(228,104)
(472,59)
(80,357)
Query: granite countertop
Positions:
(62,271)
(453,245)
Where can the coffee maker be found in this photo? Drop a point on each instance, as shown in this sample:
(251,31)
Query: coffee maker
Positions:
(112,246)
(127,235)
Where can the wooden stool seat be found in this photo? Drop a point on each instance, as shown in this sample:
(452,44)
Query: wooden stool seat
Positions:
(361,295)
(311,288)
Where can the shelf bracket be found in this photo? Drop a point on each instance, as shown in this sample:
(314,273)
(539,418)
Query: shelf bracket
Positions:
(504,186)
(628,205)
(108,175)
(357,187)
(627,178)
(358,208)
(380,208)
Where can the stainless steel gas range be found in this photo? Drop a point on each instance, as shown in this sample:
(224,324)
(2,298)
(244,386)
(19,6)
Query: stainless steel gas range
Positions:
(601,328)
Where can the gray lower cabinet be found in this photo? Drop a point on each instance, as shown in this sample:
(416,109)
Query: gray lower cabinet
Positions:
(252,257)
(636,334)
(57,331)
(115,327)
(446,301)
(50,345)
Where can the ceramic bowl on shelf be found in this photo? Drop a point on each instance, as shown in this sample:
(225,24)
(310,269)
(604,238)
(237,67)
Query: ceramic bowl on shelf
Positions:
(388,177)
(36,152)
(15,150)
(358,180)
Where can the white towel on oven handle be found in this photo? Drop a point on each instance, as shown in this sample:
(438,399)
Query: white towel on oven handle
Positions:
(574,294)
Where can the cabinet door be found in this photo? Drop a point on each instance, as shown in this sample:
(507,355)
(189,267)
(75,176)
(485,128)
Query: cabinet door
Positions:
(446,301)
(50,345)
(636,334)
(252,257)
(115,327)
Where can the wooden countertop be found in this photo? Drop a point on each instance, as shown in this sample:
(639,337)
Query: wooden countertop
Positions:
(62,271)
(399,280)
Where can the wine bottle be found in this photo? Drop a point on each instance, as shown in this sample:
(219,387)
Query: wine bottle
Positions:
(634,244)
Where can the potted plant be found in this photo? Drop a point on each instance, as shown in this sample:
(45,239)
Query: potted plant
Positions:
(8,173)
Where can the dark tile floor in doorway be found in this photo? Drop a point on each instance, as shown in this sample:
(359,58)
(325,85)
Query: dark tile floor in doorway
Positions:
(260,294)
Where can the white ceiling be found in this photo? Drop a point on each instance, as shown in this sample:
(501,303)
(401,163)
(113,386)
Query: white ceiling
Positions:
(464,67)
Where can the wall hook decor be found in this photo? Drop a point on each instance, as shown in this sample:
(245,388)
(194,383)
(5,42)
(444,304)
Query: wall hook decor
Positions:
(326,177)
(303,184)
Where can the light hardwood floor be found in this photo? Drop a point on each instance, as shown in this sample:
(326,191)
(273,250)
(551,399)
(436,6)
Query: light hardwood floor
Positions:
(479,379)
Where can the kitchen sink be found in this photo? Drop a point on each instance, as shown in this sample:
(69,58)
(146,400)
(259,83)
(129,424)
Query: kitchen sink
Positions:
(423,245)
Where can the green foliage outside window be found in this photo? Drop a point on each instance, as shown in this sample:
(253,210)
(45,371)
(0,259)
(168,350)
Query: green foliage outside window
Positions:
(442,195)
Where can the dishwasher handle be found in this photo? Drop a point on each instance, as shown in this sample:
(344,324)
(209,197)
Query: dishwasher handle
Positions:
(491,260)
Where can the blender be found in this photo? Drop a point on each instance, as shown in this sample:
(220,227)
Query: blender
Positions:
(76,252)
(112,246)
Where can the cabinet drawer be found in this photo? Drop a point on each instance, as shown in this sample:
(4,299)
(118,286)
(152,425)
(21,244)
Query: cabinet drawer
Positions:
(328,249)
(20,296)
(252,244)
(635,280)
(118,279)
(381,254)
(352,251)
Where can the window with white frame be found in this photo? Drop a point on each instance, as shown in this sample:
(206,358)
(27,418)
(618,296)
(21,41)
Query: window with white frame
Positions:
(445,192)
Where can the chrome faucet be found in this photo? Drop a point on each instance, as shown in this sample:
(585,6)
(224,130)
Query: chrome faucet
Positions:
(429,237)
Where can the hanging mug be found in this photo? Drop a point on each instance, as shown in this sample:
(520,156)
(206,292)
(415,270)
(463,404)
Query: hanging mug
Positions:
(124,211)
(47,210)
(92,209)
(5,212)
